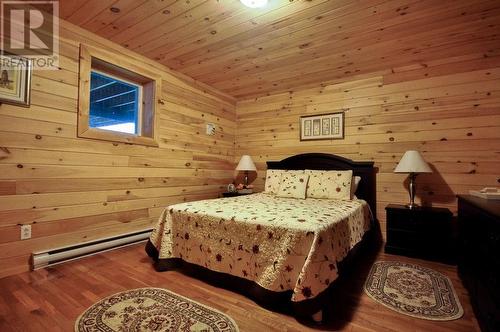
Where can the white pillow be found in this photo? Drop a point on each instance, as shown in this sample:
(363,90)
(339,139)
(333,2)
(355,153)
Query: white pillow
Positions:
(293,184)
(354,185)
(315,187)
(330,184)
(273,181)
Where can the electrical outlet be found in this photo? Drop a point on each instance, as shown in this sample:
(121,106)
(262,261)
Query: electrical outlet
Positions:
(25,232)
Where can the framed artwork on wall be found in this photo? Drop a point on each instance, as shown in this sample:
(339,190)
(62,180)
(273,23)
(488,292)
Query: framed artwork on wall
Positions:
(15,80)
(322,126)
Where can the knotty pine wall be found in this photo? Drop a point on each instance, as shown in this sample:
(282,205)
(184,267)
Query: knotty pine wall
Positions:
(72,189)
(450,112)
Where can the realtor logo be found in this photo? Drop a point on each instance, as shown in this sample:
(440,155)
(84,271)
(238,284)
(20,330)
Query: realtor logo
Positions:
(31,29)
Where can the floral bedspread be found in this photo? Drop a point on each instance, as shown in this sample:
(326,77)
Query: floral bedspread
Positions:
(279,243)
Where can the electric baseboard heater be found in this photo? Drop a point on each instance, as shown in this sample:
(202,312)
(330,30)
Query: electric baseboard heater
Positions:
(59,255)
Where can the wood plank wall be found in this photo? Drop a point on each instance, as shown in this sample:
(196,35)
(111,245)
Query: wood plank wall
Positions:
(72,190)
(448,111)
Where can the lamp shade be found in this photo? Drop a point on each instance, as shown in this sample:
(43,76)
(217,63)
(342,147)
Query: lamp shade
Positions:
(246,164)
(412,162)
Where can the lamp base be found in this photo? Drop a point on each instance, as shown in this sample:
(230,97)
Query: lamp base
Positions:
(246,179)
(412,206)
(245,191)
(412,190)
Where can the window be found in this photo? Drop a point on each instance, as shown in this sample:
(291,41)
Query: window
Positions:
(114,103)
(117,102)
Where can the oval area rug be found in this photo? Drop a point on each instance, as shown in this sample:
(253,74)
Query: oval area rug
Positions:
(152,309)
(413,290)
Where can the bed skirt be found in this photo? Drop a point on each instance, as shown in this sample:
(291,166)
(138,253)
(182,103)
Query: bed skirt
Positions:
(276,301)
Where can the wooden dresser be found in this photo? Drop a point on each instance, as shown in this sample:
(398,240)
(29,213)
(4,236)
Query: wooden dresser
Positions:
(479,257)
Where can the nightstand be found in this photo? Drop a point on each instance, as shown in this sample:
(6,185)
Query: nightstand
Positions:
(234,194)
(423,232)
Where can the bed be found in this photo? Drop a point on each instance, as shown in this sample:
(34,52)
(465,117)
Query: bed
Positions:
(273,248)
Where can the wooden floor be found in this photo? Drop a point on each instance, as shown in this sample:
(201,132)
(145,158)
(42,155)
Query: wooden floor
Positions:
(51,299)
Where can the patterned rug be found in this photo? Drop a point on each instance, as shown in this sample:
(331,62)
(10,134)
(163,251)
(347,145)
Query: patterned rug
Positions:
(152,309)
(413,290)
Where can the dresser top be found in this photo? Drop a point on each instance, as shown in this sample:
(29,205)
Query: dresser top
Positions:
(418,209)
(491,206)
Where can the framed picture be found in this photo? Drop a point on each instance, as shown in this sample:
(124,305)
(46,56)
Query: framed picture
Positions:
(15,80)
(322,126)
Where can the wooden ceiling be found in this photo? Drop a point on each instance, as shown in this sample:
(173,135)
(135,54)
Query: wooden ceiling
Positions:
(290,44)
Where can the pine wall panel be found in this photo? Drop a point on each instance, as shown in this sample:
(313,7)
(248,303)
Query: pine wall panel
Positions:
(452,117)
(409,75)
(72,189)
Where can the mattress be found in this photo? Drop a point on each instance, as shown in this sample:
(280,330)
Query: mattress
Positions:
(281,244)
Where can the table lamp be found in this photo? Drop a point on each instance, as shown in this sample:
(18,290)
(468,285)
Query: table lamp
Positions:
(412,163)
(246,164)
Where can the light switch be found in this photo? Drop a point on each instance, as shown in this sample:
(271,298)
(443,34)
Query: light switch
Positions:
(210,129)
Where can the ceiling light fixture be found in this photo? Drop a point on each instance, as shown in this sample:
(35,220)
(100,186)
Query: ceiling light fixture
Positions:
(254,3)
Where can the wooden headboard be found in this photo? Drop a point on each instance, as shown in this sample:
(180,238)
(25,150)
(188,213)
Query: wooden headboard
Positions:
(367,189)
